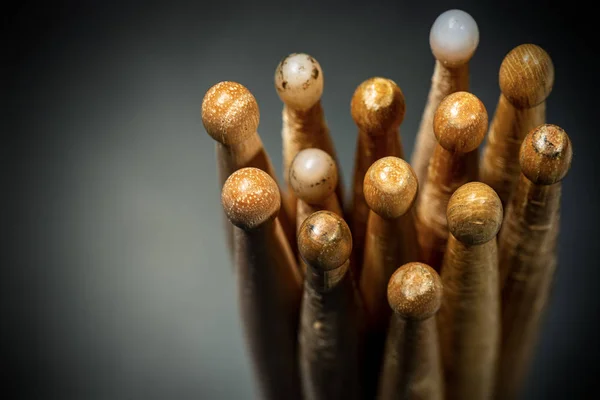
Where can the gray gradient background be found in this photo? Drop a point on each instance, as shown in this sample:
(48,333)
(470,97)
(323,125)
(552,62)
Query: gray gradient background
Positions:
(115,282)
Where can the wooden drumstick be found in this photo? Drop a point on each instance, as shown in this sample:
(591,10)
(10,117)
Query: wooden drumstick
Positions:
(378,109)
(527,245)
(390,189)
(460,124)
(313,179)
(299,84)
(269,285)
(526,79)
(412,367)
(453,38)
(230,116)
(329,330)
(469,315)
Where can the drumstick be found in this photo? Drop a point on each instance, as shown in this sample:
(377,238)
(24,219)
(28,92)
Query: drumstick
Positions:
(269,286)
(527,244)
(390,189)
(377,108)
(230,116)
(329,332)
(412,367)
(469,315)
(459,125)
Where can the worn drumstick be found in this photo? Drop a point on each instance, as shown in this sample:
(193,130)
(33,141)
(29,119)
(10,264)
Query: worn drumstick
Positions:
(527,246)
(299,84)
(453,38)
(526,78)
(412,367)
(230,116)
(269,285)
(469,316)
(390,189)
(460,124)
(329,320)
(378,109)
(313,179)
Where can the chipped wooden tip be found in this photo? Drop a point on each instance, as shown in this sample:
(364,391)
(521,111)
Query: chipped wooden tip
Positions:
(230,113)
(299,81)
(324,241)
(378,106)
(390,187)
(526,76)
(546,154)
(474,213)
(250,197)
(460,122)
(313,176)
(415,291)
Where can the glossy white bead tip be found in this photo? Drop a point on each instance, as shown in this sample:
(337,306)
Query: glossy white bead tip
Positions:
(313,175)
(454,37)
(299,81)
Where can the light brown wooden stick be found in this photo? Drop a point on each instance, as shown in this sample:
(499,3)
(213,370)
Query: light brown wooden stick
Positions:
(329,330)
(313,179)
(469,315)
(412,366)
(299,84)
(390,189)
(527,244)
(454,37)
(377,108)
(526,80)
(230,116)
(269,286)
(460,124)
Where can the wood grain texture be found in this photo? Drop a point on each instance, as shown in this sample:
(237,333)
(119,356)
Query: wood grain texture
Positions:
(445,81)
(329,323)
(460,125)
(528,256)
(468,320)
(378,109)
(526,79)
(412,365)
(269,286)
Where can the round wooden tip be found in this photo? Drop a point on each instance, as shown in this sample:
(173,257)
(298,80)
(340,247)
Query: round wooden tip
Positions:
(230,113)
(299,81)
(390,187)
(454,37)
(313,175)
(460,122)
(250,197)
(474,213)
(526,76)
(324,241)
(378,106)
(546,154)
(415,291)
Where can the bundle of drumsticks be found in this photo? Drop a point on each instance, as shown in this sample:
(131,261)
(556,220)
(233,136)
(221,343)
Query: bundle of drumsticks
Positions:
(430,281)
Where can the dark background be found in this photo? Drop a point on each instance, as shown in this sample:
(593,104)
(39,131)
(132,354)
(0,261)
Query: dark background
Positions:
(116,283)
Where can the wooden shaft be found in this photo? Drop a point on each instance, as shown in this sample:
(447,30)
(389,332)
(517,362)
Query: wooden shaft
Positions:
(303,129)
(528,255)
(412,366)
(269,286)
(368,150)
(469,316)
(329,321)
(500,161)
(445,80)
(447,172)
